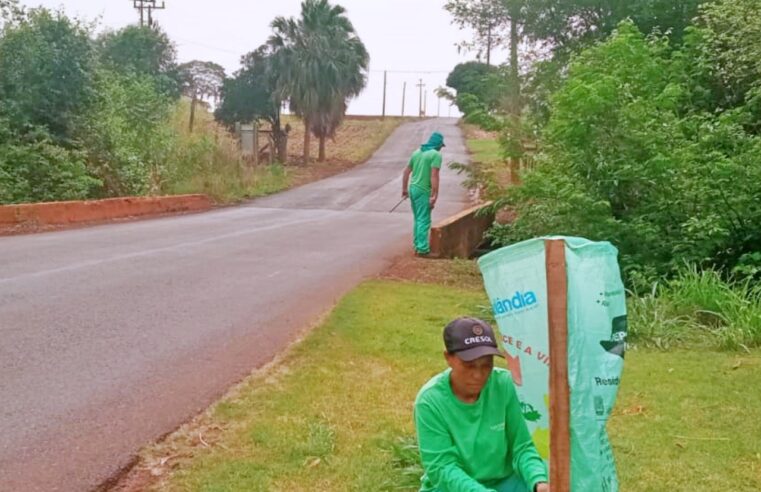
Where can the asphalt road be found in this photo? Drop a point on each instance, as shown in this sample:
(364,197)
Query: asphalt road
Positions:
(112,336)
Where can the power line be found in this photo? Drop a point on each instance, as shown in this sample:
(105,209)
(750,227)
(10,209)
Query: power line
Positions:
(410,71)
(207,46)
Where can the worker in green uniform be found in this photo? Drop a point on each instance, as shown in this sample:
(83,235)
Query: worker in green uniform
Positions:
(423,189)
(470,427)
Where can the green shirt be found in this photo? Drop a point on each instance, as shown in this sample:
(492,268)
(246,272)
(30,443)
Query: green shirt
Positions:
(421,164)
(468,447)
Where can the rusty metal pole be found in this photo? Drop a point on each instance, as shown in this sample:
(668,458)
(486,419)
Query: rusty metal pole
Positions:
(560,411)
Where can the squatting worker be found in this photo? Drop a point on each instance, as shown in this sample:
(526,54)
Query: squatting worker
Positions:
(470,428)
(423,189)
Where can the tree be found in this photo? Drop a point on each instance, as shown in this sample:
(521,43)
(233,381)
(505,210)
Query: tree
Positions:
(727,45)
(251,95)
(321,63)
(10,11)
(46,67)
(564,25)
(126,133)
(487,83)
(664,180)
(200,79)
(33,168)
(487,18)
(142,51)
(572,24)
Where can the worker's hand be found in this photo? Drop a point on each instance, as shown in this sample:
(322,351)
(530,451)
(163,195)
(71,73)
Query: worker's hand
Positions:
(405,194)
(432,202)
(542,487)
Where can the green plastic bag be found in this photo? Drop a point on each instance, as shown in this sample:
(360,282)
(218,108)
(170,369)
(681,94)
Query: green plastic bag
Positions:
(516,282)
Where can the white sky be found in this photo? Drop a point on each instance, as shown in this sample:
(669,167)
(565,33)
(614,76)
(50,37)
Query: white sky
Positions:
(401,35)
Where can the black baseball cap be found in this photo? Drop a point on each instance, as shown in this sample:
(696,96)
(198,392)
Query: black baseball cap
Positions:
(470,338)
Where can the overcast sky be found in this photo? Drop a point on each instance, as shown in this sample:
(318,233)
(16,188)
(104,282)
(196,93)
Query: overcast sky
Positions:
(414,36)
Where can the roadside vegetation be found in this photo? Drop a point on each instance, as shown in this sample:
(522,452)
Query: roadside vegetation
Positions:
(638,127)
(86,115)
(637,123)
(335,411)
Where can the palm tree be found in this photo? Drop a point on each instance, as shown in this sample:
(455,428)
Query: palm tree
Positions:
(321,64)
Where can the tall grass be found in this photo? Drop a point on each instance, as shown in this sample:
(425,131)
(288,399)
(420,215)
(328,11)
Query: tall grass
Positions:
(405,460)
(698,307)
(208,160)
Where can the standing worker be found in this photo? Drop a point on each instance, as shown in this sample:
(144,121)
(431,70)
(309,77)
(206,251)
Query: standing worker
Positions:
(423,190)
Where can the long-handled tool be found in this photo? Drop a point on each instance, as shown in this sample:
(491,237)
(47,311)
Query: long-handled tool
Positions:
(397,205)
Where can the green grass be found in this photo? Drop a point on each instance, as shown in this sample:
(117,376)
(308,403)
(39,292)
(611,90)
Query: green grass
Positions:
(698,308)
(488,170)
(330,415)
(483,146)
(209,161)
(688,421)
(335,413)
(485,151)
(229,183)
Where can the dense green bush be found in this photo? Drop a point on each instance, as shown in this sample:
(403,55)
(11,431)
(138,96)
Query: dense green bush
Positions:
(725,51)
(485,83)
(35,169)
(46,70)
(89,118)
(481,90)
(484,120)
(626,159)
(126,133)
(143,51)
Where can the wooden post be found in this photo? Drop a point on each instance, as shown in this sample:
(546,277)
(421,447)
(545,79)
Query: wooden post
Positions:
(271,141)
(560,411)
(385,74)
(255,129)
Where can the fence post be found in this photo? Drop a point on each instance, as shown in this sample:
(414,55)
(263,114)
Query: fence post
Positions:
(255,127)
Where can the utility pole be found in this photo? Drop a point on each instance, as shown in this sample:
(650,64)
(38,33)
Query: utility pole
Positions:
(488,46)
(385,75)
(404,93)
(153,7)
(150,6)
(139,5)
(420,98)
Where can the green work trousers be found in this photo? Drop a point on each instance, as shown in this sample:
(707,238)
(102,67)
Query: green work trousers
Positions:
(511,484)
(421,211)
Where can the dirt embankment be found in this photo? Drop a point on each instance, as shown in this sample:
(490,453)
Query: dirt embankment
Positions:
(36,217)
